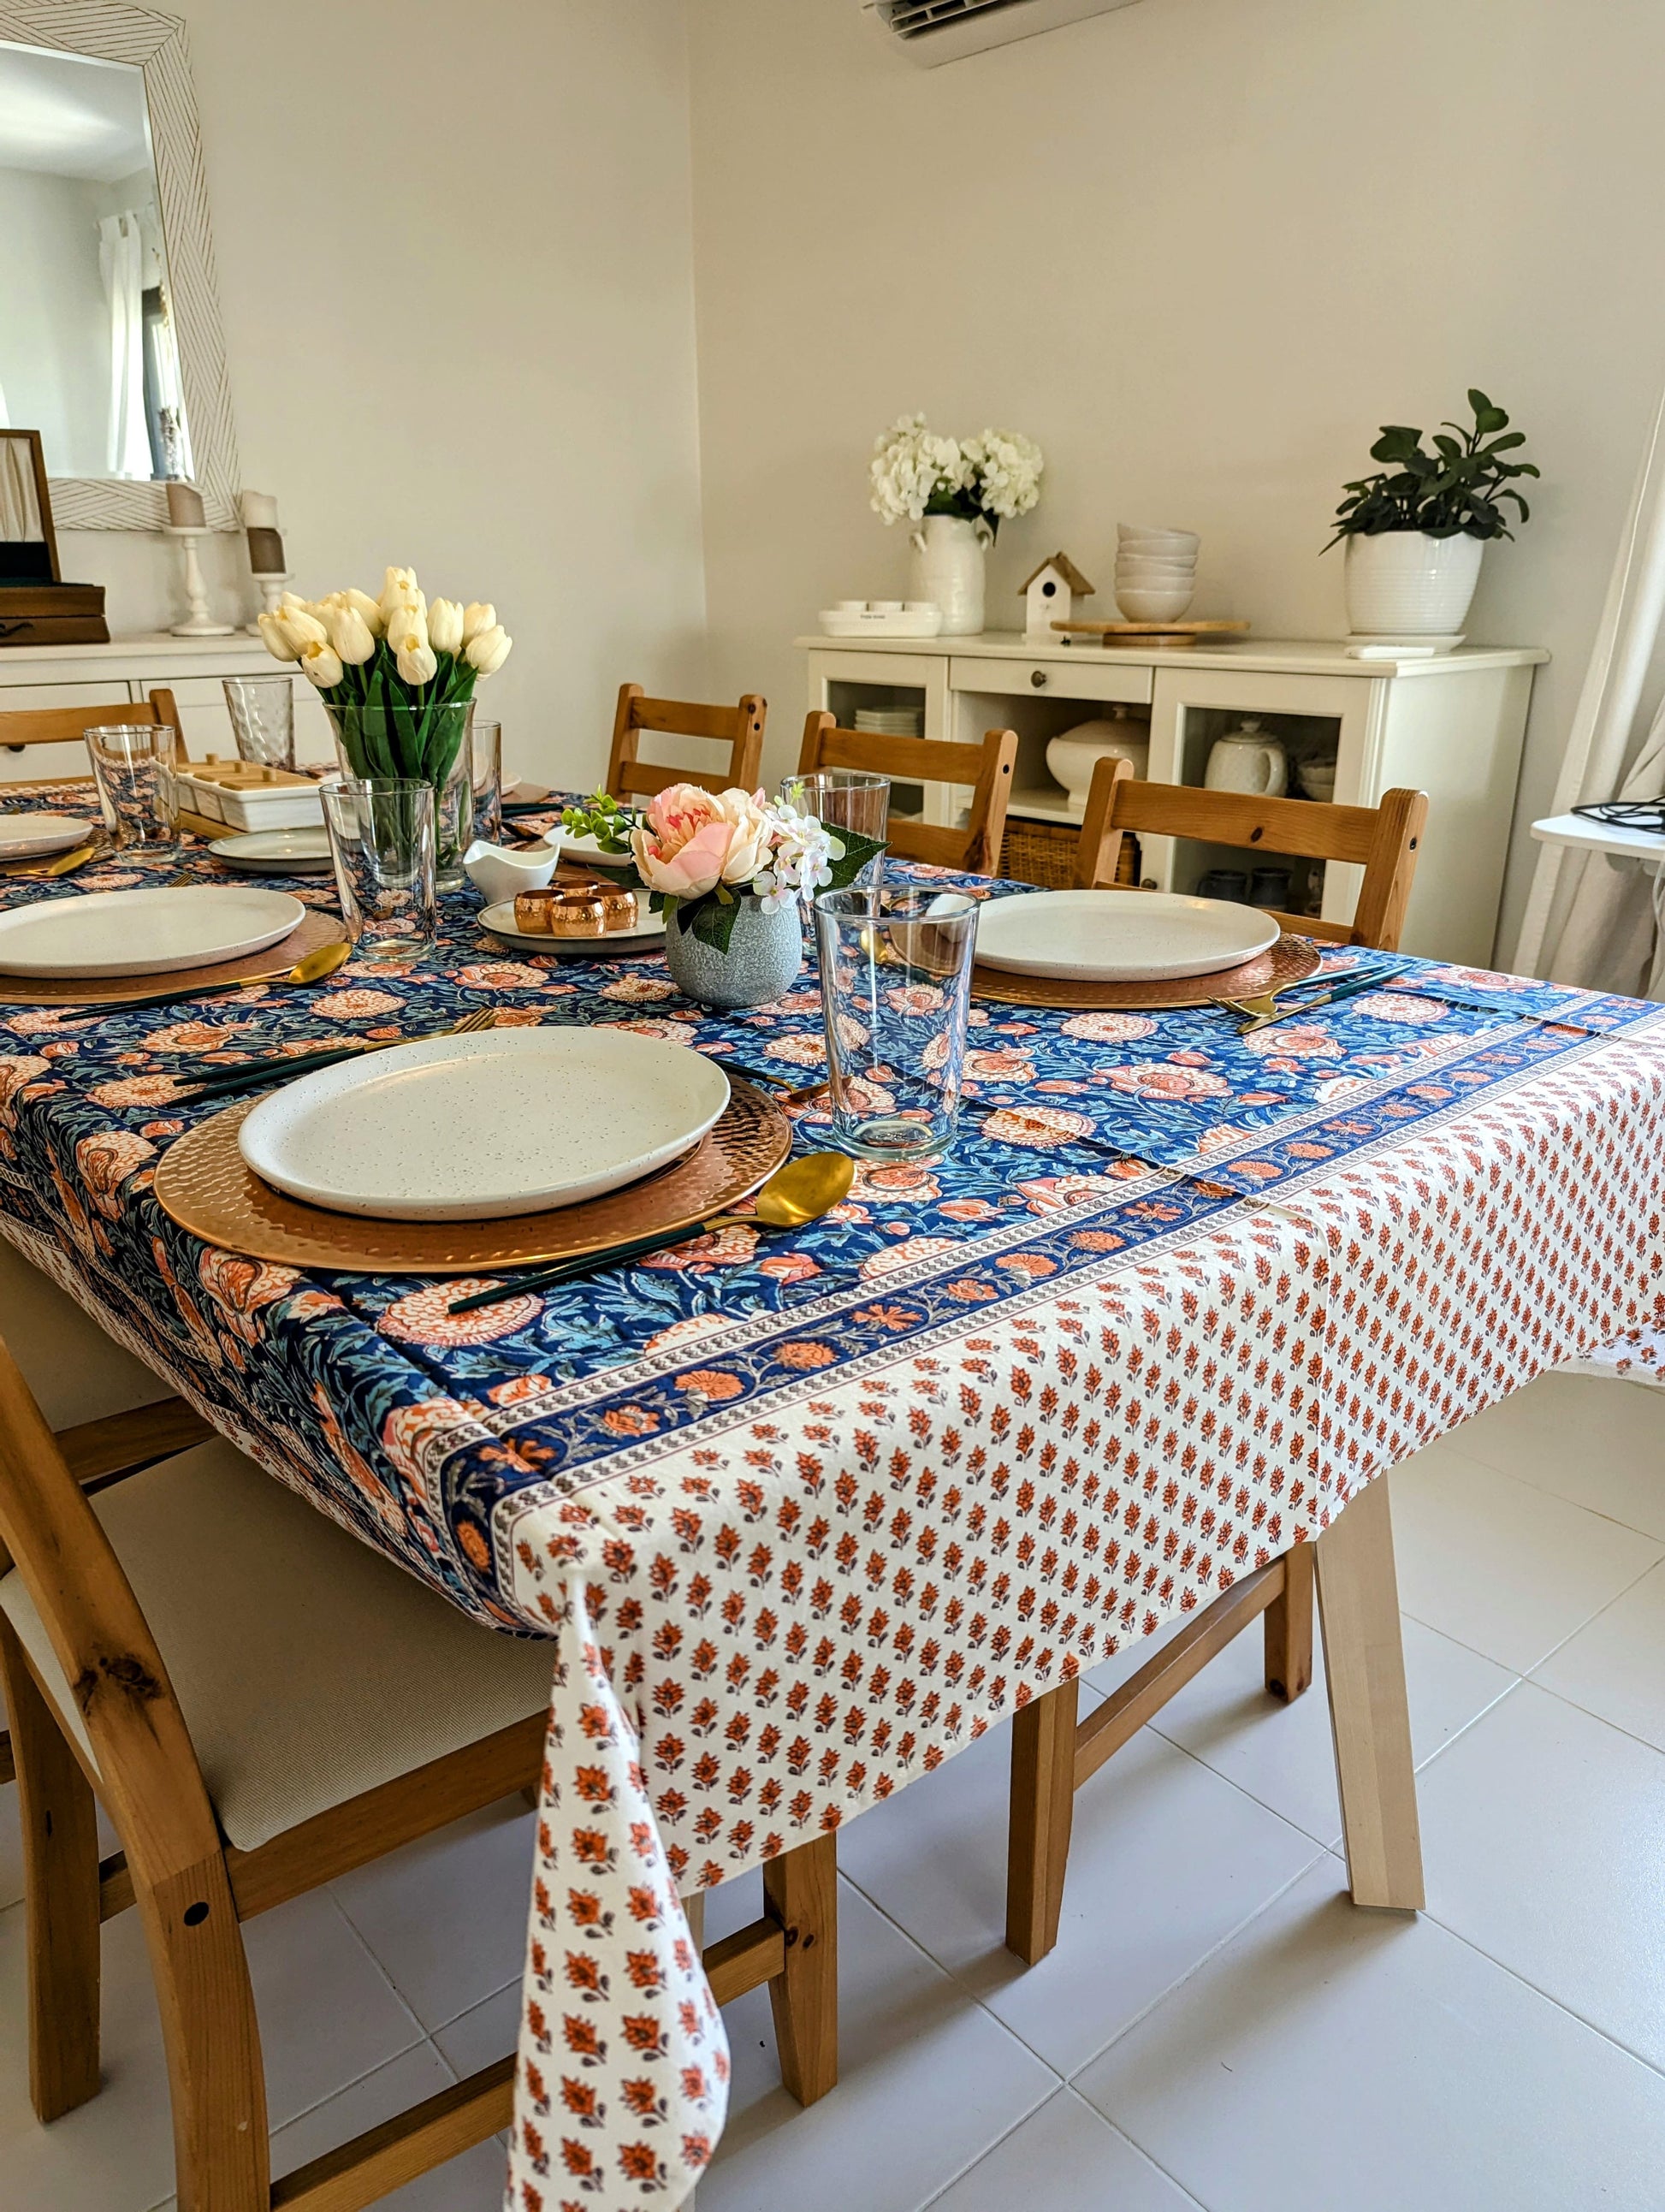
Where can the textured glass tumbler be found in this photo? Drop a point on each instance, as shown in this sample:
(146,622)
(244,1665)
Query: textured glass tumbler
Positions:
(261,710)
(133,768)
(844,798)
(896,989)
(485,751)
(381,841)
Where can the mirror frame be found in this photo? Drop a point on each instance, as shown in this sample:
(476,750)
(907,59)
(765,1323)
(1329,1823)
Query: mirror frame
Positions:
(114,31)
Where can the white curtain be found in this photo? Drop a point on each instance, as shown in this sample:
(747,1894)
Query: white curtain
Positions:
(121,260)
(1589,920)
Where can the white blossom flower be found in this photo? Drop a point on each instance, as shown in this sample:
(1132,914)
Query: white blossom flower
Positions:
(909,466)
(1005,471)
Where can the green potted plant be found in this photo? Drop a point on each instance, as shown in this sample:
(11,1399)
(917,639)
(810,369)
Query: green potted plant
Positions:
(1416,529)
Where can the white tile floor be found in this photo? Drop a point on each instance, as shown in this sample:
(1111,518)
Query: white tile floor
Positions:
(1217,2026)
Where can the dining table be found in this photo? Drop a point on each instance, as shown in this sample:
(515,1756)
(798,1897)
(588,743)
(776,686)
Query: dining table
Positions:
(802,1512)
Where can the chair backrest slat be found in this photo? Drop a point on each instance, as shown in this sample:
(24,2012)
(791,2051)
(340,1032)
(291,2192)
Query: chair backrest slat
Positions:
(61,725)
(987,767)
(1383,840)
(739,727)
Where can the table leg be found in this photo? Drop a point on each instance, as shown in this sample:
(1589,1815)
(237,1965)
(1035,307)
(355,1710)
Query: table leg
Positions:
(1289,1629)
(1370,1719)
(1042,1807)
(800,1895)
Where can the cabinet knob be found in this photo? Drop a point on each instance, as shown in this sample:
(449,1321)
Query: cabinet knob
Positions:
(1037,677)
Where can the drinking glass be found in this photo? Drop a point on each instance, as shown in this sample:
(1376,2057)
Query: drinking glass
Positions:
(263,717)
(485,745)
(896,989)
(133,769)
(381,840)
(844,798)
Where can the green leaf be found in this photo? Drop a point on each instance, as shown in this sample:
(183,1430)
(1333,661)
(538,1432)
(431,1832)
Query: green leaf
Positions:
(1396,443)
(857,851)
(710,918)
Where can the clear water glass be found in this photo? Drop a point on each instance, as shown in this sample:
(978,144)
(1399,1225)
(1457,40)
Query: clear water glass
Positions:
(895,990)
(485,753)
(133,768)
(844,798)
(381,841)
(261,710)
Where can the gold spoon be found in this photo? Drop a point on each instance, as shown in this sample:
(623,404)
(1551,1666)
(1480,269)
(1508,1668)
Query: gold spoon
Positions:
(312,968)
(799,1191)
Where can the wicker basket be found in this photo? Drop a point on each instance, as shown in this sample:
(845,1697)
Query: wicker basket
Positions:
(1045,853)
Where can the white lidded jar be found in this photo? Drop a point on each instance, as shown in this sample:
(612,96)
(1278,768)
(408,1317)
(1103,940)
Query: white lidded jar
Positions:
(1075,753)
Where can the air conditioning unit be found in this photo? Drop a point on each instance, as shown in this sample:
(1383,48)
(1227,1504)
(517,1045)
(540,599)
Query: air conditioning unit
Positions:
(931,31)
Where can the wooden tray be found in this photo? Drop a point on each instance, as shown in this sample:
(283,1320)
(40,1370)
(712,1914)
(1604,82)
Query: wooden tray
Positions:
(1172,636)
(203,1184)
(114,991)
(1289,960)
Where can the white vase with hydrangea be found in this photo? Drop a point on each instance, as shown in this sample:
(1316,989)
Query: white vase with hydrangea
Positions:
(955,492)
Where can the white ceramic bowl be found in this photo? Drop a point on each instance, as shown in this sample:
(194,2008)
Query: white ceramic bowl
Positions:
(1157,572)
(1154,606)
(1316,779)
(1135,534)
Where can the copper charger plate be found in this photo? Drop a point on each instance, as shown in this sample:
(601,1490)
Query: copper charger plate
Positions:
(1289,960)
(311,931)
(203,1184)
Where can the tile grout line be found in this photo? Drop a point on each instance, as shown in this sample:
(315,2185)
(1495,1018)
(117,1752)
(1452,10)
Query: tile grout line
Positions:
(1063,2090)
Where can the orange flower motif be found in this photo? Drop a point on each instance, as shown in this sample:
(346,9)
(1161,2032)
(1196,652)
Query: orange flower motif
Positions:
(576,2160)
(590,1846)
(636,2162)
(805,1355)
(642,2032)
(474,1545)
(582,2037)
(642,2097)
(593,1785)
(583,1973)
(583,1908)
(709,1382)
(578,2098)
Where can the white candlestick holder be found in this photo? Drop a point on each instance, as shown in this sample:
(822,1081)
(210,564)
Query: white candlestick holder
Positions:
(270,583)
(196,623)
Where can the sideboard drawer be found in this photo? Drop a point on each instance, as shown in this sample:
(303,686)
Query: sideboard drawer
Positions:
(1045,679)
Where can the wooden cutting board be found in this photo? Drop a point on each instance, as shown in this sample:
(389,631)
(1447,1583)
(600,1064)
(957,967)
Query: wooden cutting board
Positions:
(1173,636)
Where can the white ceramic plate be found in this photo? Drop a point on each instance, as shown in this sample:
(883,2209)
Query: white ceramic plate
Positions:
(483,1128)
(586,849)
(276,852)
(649,930)
(145,933)
(1119,937)
(33,837)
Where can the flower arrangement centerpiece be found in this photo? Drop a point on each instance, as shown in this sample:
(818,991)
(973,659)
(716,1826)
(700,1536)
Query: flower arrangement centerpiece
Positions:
(397,677)
(727,871)
(955,492)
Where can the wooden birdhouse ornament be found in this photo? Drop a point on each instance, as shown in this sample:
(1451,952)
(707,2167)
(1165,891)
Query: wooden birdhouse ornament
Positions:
(1049,595)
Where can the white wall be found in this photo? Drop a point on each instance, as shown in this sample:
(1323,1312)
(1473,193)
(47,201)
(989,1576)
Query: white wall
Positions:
(54,319)
(1199,249)
(455,268)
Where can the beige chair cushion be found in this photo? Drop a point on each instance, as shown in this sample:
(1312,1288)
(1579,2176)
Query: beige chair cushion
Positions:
(76,1372)
(309,1668)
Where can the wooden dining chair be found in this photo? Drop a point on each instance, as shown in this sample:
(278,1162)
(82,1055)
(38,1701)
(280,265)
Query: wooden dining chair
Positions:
(62,725)
(261,1704)
(975,848)
(1384,841)
(740,728)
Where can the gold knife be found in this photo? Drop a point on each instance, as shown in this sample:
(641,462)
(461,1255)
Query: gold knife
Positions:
(63,864)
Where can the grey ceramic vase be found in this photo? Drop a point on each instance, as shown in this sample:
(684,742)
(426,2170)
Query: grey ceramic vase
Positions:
(763,960)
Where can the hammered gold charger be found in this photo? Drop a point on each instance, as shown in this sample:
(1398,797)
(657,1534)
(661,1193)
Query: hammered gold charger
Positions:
(203,1184)
(1289,960)
(309,933)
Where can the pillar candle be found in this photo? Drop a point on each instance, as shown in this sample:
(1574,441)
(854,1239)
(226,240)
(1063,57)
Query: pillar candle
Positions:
(184,507)
(265,552)
(259,511)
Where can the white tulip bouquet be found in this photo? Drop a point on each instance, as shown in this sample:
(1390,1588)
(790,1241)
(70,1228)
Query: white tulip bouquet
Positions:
(697,854)
(989,478)
(396,674)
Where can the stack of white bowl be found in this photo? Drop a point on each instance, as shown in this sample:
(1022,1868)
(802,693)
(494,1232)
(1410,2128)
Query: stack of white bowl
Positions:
(1156,571)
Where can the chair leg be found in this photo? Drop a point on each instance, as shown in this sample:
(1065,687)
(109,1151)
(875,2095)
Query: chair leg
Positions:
(1289,1628)
(1043,1808)
(800,1890)
(1364,1668)
(60,1872)
(220,2154)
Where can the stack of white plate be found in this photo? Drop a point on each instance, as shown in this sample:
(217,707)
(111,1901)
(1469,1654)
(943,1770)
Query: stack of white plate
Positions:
(890,722)
(1156,571)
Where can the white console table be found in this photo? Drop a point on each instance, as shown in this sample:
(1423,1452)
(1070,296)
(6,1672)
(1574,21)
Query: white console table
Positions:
(129,669)
(1451,726)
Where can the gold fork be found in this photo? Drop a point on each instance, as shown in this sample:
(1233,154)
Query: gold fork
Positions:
(248,1074)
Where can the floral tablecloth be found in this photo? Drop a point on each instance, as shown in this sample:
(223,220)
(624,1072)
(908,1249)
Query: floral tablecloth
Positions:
(802,1514)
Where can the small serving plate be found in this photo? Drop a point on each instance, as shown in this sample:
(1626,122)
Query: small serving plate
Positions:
(276,852)
(35,836)
(649,930)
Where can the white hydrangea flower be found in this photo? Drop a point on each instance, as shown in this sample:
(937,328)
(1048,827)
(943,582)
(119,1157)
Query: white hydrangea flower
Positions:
(909,465)
(1005,471)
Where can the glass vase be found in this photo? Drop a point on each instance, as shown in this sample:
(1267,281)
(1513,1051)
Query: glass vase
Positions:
(425,744)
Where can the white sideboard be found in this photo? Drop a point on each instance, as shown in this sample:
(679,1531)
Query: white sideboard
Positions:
(129,669)
(1451,726)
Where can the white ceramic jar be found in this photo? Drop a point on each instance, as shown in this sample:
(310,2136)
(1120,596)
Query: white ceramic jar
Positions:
(1403,583)
(1075,753)
(1248,759)
(948,569)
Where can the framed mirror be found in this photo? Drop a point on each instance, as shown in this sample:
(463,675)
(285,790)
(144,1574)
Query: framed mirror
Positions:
(110,343)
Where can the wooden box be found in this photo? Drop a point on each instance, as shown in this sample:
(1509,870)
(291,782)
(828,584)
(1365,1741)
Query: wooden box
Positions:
(53,614)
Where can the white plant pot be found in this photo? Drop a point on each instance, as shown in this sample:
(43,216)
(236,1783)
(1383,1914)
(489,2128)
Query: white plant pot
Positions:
(1403,583)
(948,568)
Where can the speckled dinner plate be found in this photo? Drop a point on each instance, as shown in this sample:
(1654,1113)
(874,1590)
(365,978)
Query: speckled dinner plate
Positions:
(483,1128)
